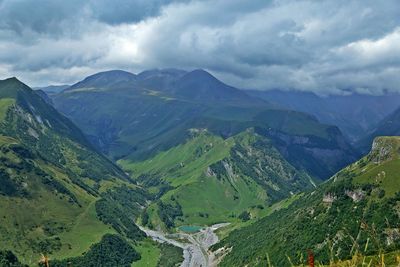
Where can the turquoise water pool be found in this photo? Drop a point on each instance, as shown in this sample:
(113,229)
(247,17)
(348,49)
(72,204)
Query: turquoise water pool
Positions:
(190,228)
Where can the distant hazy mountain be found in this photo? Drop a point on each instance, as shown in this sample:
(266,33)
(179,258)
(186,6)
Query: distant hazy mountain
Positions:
(52,89)
(196,86)
(354,114)
(389,126)
(201,86)
(144,108)
(44,96)
(105,79)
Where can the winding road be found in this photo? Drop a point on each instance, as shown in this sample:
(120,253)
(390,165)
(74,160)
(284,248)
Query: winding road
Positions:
(196,250)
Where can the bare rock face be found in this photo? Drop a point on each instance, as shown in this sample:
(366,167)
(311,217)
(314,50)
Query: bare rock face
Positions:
(329,198)
(392,234)
(356,195)
(384,148)
(210,172)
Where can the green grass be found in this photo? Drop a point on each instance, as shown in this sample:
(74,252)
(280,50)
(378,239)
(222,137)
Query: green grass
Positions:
(150,253)
(184,164)
(82,225)
(380,167)
(184,167)
(208,199)
(164,162)
(256,214)
(216,199)
(30,224)
(23,220)
(86,231)
(5,103)
(171,256)
(386,175)
(7,140)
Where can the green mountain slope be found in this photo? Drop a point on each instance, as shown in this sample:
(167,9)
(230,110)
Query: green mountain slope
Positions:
(135,117)
(358,205)
(209,179)
(56,192)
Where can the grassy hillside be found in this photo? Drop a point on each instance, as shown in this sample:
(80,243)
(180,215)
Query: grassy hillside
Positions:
(58,196)
(356,210)
(208,179)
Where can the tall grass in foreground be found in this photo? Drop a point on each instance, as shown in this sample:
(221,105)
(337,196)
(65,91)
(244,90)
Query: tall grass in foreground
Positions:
(359,256)
(357,260)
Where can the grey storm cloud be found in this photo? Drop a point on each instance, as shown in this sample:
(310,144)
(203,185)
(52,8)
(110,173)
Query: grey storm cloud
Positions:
(54,17)
(127,11)
(41,16)
(321,46)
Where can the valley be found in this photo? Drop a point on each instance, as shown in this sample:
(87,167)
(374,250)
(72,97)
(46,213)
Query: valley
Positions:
(134,117)
(199,133)
(209,155)
(176,177)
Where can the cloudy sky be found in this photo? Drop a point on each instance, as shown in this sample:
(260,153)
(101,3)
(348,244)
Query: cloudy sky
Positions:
(323,46)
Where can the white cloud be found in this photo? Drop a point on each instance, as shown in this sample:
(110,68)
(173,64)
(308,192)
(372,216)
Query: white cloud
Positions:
(367,52)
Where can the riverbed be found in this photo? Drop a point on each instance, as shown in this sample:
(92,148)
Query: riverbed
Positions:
(195,245)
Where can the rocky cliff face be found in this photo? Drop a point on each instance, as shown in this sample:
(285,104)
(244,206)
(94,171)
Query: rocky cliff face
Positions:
(384,149)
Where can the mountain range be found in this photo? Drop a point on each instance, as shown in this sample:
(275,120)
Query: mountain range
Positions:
(135,116)
(82,166)
(355,114)
(182,132)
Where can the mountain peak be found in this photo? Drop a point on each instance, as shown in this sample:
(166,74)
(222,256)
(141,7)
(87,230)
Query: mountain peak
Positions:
(11,86)
(201,78)
(199,85)
(115,72)
(201,74)
(115,75)
(13,80)
(200,71)
(105,79)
